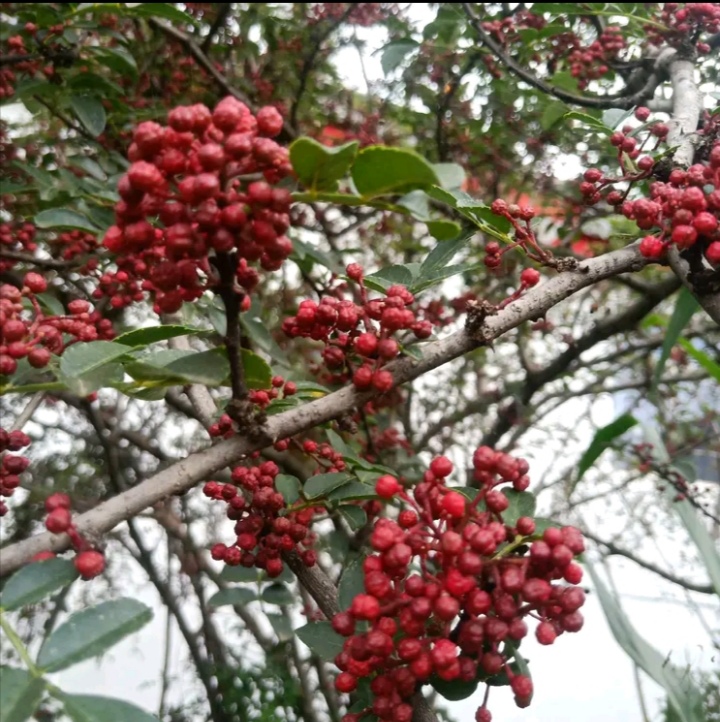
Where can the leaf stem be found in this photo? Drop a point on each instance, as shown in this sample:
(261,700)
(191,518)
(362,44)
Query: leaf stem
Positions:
(20,648)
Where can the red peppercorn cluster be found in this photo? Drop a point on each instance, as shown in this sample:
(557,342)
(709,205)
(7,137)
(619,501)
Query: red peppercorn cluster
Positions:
(359,337)
(88,561)
(16,237)
(462,615)
(225,427)
(199,177)
(684,210)
(11,465)
(362,14)
(683,21)
(71,244)
(35,335)
(264,527)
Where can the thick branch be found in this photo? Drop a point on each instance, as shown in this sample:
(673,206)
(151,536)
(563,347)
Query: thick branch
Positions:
(608,327)
(687,107)
(220,20)
(185,474)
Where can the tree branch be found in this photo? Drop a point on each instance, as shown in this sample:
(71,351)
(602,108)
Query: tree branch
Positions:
(609,101)
(220,20)
(614,550)
(184,474)
(687,107)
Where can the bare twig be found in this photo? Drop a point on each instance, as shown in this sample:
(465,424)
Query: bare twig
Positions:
(614,550)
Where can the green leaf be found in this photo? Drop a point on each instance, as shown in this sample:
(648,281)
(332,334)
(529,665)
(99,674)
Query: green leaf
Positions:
(685,308)
(441,255)
(154,334)
(443,230)
(354,516)
(82,358)
(91,632)
(390,276)
(455,690)
(281,626)
(554,110)
(34,582)
(588,120)
(702,358)
(180,366)
(239,574)
(352,582)
(90,112)
(613,117)
(322,640)
(395,52)
(289,486)
(117,59)
(440,275)
(337,442)
(20,694)
(257,371)
(323,484)
(705,544)
(478,213)
(318,167)
(682,694)
(234,595)
(451,175)
(257,330)
(379,170)
(167,11)
(602,440)
(522,503)
(64,218)
(353,491)
(91,708)
(278,594)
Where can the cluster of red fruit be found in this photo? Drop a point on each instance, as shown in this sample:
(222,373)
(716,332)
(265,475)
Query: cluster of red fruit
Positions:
(88,561)
(362,14)
(11,465)
(38,337)
(685,208)
(202,177)
(683,21)
(351,334)
(520,218)
(449,587)
(586,62)
(264,528)
(16,237)
(71,244)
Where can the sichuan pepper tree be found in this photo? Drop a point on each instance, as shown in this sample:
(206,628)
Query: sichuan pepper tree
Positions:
(232,288)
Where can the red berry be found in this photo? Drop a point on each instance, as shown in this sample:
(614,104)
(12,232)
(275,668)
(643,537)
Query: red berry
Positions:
(382,380)
(58,520)
(57,501)
(545,633)
(345,682)
(712,253)
(89,563)
(453,503)
(387,486)
(35,282)
(441,467)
